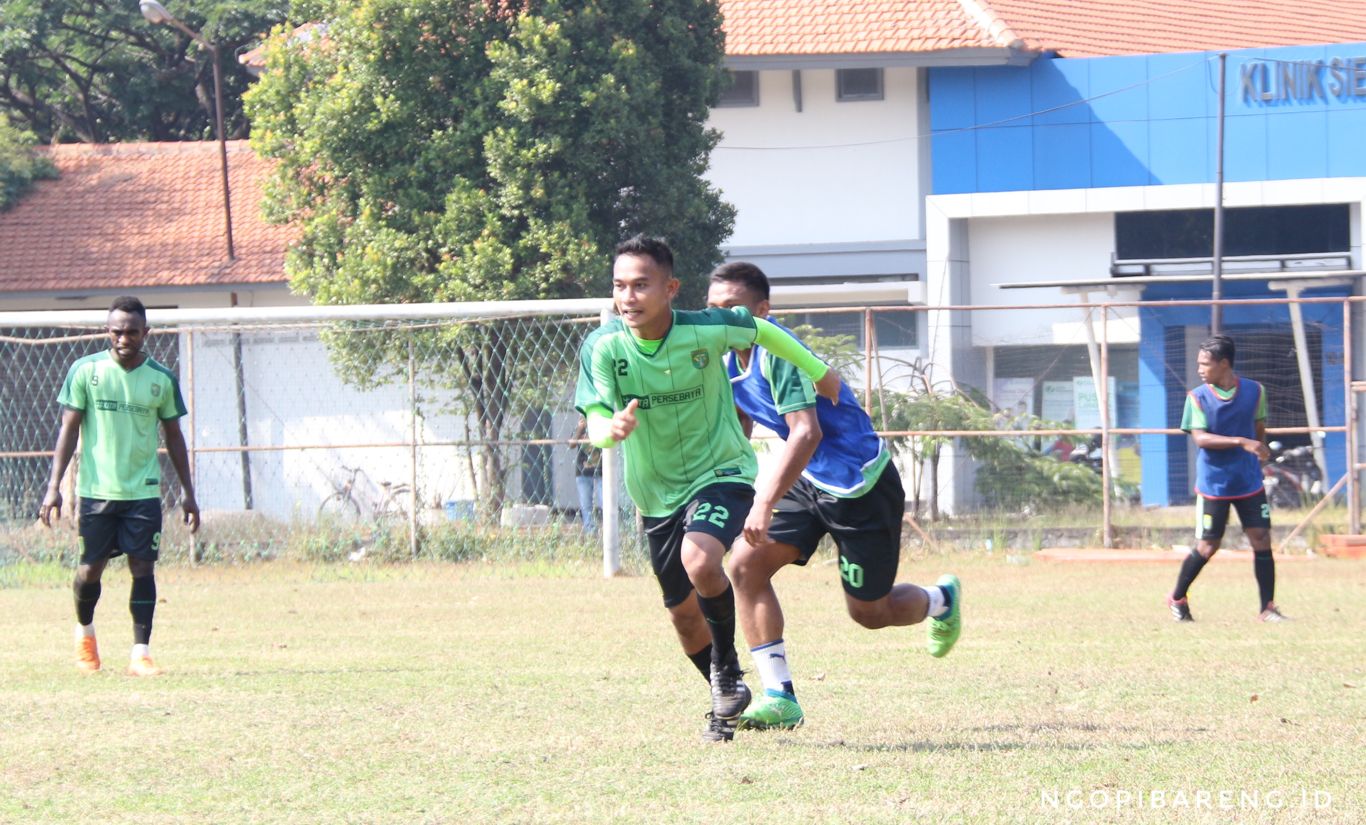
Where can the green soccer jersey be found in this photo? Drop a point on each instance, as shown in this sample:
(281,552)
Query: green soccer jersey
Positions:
(122,410)
(687,435)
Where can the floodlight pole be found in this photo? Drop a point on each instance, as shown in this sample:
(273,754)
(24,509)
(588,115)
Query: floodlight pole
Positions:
(1217,287)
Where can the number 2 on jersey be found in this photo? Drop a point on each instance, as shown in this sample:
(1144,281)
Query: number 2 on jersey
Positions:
(621,367)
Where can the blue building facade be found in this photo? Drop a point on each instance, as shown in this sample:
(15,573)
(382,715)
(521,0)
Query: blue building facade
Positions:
(1292,114)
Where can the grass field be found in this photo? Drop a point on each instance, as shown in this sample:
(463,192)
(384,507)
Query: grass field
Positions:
(458,694)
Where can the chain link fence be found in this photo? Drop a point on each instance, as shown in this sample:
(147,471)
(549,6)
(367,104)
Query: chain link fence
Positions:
(370,436)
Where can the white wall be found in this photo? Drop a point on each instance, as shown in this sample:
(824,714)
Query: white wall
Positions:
(264,295)
(847,193)
(1023,249)
(295,397)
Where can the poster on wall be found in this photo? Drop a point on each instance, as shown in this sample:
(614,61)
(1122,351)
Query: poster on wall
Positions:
(1086,401)
(1013,395)
(1057,401)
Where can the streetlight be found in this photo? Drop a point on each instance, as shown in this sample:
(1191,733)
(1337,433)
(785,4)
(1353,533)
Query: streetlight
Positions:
(156,14)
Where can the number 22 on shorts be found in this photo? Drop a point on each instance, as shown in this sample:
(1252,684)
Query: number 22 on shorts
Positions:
(716,514)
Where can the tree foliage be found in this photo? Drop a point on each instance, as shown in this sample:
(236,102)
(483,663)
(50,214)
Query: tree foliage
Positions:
(95,71)
(1010,475)
(475,150)
(20,165)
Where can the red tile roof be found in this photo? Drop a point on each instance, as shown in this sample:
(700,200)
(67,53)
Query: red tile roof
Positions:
(765,28)
(1072,28)
(824,27)
(1089,28)
(141,215)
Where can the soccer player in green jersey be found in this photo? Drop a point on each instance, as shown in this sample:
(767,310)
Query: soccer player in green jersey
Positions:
(114,401)
(653,379)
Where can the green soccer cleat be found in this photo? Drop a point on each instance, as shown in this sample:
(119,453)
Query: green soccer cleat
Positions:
(943,632)
(776,710)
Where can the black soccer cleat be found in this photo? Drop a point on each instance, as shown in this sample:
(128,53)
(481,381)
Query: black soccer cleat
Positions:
(729,694)
(1181,609)
(718,729)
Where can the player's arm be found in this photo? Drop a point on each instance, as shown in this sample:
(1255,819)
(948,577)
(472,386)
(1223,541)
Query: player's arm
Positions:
(67,437)
(803,437)
(596,395)
(746,423)
(1206,440)
(180,460)
(1264,453)
(606,428)
(789,349)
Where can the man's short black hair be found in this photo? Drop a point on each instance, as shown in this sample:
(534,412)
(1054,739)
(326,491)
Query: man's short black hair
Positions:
(1219,347)
(656,249)
(130,305)
(744,273)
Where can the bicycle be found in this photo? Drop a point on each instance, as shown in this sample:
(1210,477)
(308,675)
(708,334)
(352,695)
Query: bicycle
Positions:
(394,503)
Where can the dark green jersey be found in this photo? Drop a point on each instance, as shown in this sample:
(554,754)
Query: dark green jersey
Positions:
(122,409)
(687,435)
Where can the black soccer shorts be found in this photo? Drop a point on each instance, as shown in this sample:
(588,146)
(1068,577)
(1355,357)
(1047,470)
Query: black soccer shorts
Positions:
(113,528)
(719,510)
(1212,514)
(866,530)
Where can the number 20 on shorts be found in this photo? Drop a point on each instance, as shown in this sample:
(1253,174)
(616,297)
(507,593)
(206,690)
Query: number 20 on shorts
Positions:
(851,573)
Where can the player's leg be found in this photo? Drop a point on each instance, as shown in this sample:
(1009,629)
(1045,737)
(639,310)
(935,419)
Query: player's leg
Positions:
(761,620)
(98,535)
(584,484)
(715,518)
(1254,513)
(140,534)
(665,538)
(1211,518)
(867,531)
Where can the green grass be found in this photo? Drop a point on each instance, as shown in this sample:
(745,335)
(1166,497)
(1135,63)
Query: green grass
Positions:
(542,693)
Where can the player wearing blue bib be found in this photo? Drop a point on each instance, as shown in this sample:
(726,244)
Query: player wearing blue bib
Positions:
(1226,417)
(834,476)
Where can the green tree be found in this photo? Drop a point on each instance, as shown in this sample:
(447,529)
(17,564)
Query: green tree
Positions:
(20,165)
(1010,477)
(97,72)
(462,150)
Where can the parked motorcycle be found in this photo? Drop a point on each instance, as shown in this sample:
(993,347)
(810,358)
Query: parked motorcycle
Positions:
(1291,476)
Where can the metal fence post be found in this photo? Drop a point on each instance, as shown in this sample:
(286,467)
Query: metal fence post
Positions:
(412,448)
(1353,493)
(1107,471)
(190,436)
(611,511)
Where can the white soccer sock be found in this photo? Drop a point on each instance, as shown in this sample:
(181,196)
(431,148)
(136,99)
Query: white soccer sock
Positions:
(771,660)
(937,607)
(140,651)
(83,630)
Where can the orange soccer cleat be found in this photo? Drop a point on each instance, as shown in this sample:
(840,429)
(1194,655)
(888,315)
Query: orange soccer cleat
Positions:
(87,654)
(143,666)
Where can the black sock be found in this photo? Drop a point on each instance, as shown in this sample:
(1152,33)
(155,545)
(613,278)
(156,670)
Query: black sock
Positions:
(1190,568)
(87,594)
(719,612)
(142,603)
(1264,566)
(702,661)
